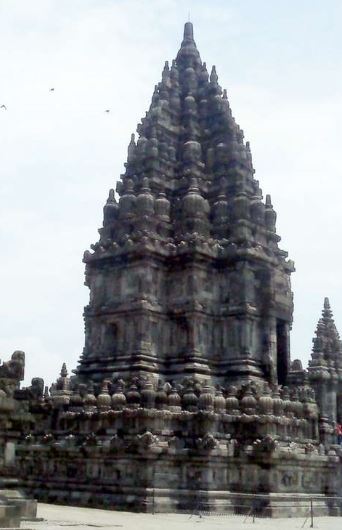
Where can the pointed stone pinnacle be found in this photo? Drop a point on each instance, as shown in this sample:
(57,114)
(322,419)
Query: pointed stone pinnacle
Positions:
(213,75)
(188,52)
(111,196)
(166,71)
(131,148)
(327,313)
(268,201)
(188,32)
(64,371)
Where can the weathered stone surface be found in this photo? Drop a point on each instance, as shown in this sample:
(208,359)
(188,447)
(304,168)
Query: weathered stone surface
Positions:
(187,276)
(185,383)
(14,417)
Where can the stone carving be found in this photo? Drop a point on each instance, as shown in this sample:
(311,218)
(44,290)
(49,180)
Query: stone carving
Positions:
(266,445)
(207,443)
(185,385)
(147,441)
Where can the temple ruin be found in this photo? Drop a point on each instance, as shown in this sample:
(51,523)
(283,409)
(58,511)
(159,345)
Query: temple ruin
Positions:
(185,393)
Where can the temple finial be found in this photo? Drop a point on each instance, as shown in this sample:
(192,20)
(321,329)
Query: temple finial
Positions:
(327,312)
(188,32)
(268,201)
(213,76)
(131,149)
(188,54)
(111,196)
(64,371)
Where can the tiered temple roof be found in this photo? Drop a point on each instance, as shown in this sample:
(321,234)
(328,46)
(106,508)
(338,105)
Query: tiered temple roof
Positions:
(189,175)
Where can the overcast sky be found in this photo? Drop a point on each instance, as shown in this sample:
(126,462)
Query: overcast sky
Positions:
(60,152)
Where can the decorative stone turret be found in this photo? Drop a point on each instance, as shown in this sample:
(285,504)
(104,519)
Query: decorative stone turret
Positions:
(327,346)
(325,366)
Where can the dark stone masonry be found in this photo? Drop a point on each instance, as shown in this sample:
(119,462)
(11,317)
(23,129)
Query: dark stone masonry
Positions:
(185,394)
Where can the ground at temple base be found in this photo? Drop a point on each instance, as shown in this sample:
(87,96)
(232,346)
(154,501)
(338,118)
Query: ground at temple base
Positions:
(67,517)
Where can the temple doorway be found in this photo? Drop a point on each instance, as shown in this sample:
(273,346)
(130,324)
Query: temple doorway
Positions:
(282,352)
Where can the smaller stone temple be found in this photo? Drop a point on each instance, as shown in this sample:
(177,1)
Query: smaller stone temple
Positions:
(324,372)
(185,395)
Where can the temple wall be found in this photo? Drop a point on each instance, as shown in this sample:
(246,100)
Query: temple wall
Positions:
(173,481)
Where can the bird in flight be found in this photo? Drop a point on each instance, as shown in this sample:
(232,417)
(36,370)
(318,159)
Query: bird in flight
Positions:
(52,89)
(107,110)
(3,107)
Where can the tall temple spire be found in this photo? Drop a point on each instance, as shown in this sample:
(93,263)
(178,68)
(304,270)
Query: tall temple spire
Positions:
(189,189)
(183,383)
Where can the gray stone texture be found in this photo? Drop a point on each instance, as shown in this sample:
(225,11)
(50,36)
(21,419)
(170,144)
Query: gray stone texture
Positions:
(14,418)
(185,394)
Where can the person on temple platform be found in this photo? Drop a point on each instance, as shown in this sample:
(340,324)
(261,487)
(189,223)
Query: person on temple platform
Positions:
(338,430)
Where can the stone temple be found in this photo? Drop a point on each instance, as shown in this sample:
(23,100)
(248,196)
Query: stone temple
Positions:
(185,393)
